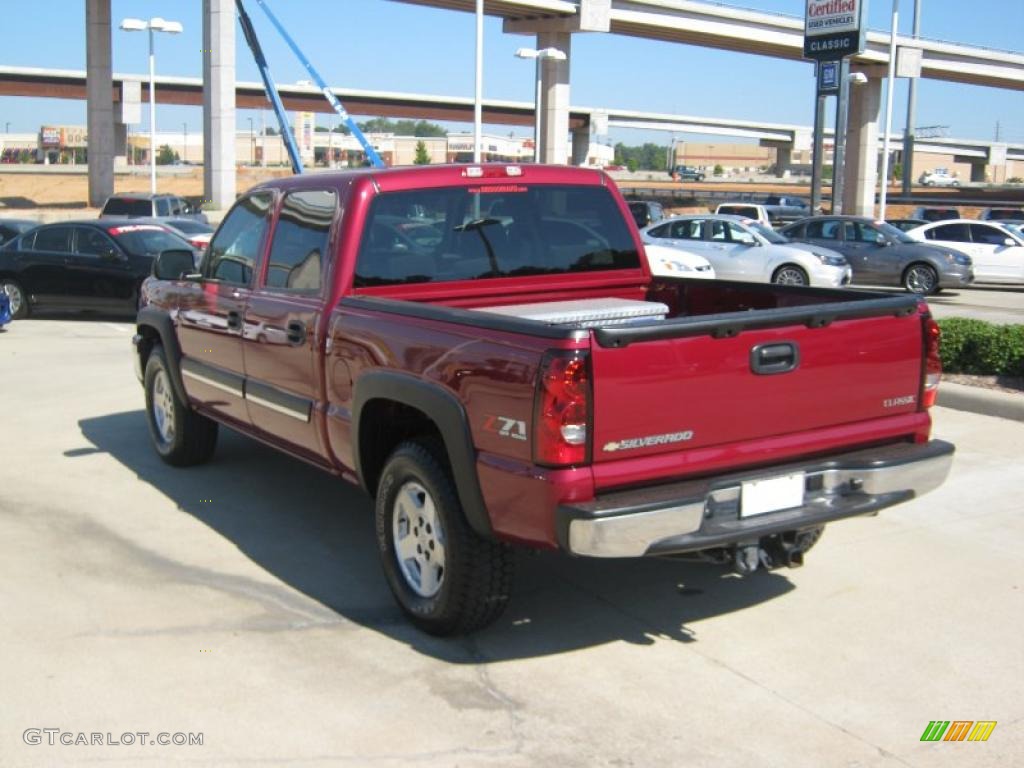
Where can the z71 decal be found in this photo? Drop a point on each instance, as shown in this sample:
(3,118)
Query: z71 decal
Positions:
(503,426)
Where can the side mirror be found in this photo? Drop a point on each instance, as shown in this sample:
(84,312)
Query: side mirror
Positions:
(881,240)
(176,264)
(1009,241)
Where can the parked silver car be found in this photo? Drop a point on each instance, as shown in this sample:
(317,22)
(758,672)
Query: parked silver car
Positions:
(741,249)
(881,254)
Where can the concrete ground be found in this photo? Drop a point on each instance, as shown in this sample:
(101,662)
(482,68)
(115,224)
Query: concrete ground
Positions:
(242,600)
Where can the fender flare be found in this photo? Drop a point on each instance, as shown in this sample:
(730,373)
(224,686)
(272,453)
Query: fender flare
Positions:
(447,413)
(161,322)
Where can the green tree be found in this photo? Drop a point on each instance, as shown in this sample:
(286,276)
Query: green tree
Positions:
(422,156)
(166,156)
(719,170)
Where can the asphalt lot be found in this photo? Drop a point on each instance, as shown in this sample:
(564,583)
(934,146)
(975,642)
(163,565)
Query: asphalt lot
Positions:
(242,600)
(996,304)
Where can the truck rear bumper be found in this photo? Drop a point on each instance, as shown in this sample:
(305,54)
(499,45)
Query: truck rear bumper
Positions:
(707,513)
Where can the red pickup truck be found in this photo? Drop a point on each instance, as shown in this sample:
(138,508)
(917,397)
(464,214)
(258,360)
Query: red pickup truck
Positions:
(485,351)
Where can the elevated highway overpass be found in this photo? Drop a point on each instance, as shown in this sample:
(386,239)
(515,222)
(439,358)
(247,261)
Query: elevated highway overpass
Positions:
(553,22)
(71,84)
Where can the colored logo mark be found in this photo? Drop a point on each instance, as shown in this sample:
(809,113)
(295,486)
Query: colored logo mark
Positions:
(958,730)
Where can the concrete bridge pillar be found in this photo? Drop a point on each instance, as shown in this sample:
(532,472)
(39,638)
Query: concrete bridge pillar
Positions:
(219,182)
(554,98)
(862,148)
(99,88)
(580,144)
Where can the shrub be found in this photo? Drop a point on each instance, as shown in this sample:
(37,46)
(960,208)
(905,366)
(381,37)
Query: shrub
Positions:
(719,170)
(980,348)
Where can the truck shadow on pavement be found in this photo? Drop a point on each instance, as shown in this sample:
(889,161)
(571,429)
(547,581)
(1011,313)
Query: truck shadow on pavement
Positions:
(314,533)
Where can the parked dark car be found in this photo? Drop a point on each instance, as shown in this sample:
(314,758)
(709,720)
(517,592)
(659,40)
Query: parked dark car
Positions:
(147,205)
(11,228)
(905,224)
(935,214)
(95,265)
(686,173)
(785,208)
(881,254)
(1002,214)
(645,212)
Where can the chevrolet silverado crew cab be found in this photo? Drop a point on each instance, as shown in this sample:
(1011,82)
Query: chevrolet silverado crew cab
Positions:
(485,351)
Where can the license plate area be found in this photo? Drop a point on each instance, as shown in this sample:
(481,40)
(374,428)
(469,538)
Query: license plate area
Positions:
(758,497)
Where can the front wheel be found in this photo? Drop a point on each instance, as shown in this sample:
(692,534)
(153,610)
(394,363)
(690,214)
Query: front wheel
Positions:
(182,437)
(16,296)
(446,578)
(921,279)
(790,274)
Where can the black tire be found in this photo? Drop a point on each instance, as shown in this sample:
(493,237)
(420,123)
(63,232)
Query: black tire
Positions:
(921,279)
(469,588)
(181,437)
(790,274)
(18,298)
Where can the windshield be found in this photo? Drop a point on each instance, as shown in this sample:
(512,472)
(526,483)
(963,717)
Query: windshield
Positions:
(492,230)
(768,233)
(143,240)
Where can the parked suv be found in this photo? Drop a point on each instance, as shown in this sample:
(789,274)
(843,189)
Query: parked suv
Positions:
(925,213)
(147,205)
(645,212)
(686,173)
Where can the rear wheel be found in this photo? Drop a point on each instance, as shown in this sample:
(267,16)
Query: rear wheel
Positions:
(790,274)
(182,437)
(446,578)
(921,279)
(18,299)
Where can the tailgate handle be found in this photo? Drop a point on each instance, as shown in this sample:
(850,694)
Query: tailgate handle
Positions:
(767,359)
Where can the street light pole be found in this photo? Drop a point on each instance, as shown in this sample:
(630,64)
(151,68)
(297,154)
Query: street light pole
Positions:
(156,24)
(152,113)
(888,108)
(184,143)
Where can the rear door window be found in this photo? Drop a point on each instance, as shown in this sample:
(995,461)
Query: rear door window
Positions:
(53,240)
(687,229)
(825,229)
(957,233)
(299,248)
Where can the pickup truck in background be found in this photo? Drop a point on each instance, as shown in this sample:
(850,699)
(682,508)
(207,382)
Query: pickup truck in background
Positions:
(485,351)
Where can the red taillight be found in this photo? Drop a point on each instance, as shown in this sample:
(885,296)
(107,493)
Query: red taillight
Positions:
(932,363)
(561,434)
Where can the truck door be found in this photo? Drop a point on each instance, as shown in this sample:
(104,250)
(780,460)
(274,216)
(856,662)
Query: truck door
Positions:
(210,321)
(281,344)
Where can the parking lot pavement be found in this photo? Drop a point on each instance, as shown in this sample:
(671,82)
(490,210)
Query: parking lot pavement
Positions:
(996,304)
(242,601)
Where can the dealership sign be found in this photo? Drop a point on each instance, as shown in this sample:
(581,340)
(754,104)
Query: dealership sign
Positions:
(834,29)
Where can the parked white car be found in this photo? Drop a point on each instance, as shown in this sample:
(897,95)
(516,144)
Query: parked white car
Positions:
(741,249)
(675,262)
(940,177)
(997,250)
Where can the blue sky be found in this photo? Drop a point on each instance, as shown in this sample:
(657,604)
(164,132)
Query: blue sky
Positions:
(376,44)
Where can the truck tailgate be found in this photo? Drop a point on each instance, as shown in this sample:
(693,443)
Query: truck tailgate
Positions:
(696,391)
